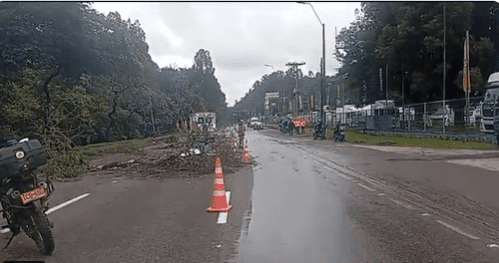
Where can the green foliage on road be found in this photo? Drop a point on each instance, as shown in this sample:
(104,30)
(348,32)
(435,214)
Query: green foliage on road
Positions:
(437,142)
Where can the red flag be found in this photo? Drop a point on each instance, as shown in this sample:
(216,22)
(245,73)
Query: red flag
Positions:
(466,69)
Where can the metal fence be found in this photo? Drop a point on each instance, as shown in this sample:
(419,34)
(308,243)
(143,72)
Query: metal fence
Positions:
(429,117)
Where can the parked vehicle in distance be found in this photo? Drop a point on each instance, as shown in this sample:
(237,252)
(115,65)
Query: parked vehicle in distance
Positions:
(475,116)
(491,95)
(448,116)
(204,120)
(256,124)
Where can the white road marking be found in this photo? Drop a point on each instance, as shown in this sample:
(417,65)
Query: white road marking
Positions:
(425,214)
(457,230)
(327,168)
(344,176)
(57,207)
(381,194)
(222,217)
(66,203)
(363,186)
(401,204)
(492,245)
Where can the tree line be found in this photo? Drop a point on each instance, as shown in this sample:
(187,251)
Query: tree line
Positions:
(74,75)
(400,45)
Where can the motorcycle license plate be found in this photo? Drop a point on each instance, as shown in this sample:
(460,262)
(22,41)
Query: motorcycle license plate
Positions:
(33,195)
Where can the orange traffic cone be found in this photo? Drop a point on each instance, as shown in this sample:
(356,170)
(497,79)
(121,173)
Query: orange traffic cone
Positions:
(246,154)
(219,200)
(219,176)
(218,163)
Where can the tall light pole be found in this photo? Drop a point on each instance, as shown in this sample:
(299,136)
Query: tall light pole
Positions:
(270,66)
(443,91)
(323,61)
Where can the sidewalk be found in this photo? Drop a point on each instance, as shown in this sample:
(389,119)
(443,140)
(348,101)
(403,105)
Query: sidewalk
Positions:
(485,159)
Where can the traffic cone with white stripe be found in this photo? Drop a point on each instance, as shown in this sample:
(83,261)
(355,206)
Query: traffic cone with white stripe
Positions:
(219,200)
(246,156)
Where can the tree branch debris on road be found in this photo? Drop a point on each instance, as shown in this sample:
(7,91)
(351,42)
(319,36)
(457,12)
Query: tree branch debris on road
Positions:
(184,154)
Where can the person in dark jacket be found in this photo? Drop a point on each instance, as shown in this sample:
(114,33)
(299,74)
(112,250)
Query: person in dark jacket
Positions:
(240,131)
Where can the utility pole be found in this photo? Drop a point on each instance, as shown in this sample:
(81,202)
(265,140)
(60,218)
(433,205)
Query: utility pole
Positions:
(403,99)
(294,66)
(444,69)
(323,60)
(386,91)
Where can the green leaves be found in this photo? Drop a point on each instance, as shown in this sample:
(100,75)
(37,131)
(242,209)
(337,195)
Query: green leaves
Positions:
(410,35)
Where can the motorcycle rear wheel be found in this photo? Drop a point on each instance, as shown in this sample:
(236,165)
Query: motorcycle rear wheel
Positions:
(42,234)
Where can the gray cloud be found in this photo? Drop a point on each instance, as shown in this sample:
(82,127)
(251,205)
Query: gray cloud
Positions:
(241,37)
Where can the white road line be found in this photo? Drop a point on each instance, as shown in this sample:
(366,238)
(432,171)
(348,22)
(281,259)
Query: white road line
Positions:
(361,185)
(327,168)
(222,217)
(401,204)
(457,230)
(66,203)
(344,176)
(56,207)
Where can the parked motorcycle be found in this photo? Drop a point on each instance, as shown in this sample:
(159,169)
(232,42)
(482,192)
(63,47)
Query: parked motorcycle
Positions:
(319,132)
(339,133)
(22,195)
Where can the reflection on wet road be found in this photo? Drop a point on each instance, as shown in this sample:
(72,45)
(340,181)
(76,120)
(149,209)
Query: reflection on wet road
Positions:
(297,214)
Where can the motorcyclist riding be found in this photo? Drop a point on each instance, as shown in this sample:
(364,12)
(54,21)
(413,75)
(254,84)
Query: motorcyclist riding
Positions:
(339,134)
(319,130)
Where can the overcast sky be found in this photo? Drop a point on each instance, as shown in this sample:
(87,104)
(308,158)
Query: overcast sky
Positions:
(241,37)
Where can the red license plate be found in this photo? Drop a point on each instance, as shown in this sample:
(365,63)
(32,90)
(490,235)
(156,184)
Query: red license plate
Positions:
(33,195)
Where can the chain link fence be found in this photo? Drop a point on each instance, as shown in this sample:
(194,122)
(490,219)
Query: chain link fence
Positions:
(451,118)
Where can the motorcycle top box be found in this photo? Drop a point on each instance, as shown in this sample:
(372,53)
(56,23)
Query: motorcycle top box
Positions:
(21,157)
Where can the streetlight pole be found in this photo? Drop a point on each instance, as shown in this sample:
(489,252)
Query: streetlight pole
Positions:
(323,64)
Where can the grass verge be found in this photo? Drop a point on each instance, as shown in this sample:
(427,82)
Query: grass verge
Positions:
(76,161)
(437,142)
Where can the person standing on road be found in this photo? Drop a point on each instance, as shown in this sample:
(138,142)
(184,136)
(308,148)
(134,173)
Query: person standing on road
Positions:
(241,131)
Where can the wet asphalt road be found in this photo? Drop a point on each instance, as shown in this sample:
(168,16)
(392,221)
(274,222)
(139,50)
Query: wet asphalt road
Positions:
(306,207)
(296,216)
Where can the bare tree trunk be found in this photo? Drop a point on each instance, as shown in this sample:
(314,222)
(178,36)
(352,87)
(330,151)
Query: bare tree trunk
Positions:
(48,105)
